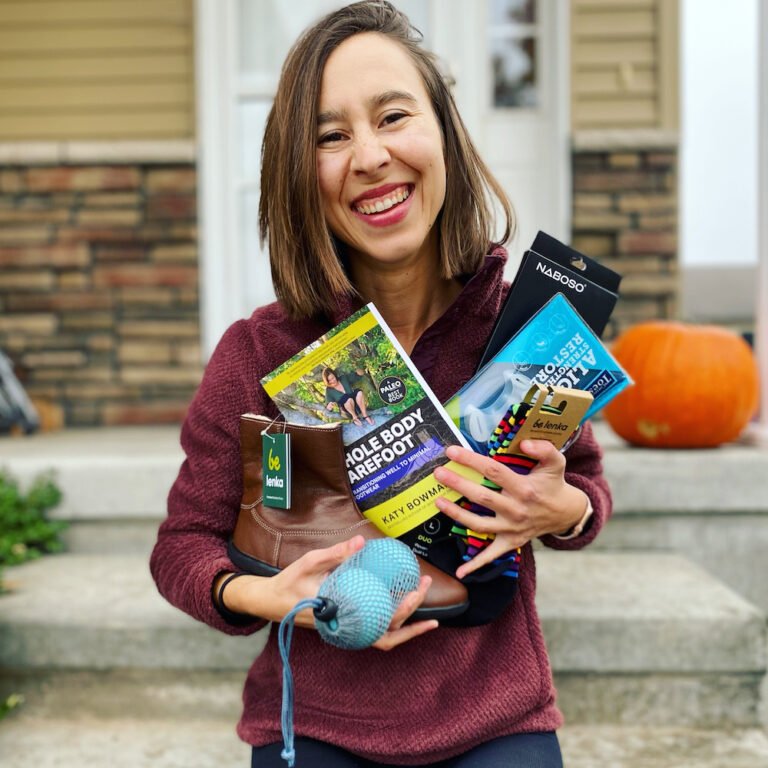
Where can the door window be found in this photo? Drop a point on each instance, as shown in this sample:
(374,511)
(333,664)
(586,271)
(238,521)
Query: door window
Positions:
(513,32)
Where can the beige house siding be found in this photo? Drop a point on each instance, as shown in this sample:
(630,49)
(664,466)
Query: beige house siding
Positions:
(624,64)
(113,69)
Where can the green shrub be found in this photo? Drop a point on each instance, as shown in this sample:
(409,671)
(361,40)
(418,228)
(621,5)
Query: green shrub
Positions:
(10,703)
(25,533)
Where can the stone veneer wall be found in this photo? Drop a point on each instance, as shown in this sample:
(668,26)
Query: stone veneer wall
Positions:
(625,215)
(99,307)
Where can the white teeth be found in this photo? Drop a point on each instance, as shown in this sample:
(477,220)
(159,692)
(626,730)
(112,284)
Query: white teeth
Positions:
(384,205)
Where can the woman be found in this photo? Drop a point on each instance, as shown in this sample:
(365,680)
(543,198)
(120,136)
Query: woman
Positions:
(372,191)
(340,392)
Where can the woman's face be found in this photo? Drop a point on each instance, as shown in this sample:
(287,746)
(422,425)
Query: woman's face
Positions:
(379,153)
(331,380)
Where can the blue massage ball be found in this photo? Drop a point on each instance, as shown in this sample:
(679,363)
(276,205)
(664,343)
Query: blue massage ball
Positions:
(393,562)
(365,608)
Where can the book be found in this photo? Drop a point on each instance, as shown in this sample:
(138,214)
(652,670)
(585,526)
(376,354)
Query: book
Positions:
(555,347)
(547,268)
(395,430)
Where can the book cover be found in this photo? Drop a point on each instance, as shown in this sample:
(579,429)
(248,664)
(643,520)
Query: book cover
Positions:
(555,347)
(394,429)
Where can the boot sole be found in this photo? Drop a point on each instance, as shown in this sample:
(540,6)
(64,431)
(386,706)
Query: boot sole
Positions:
(260,568)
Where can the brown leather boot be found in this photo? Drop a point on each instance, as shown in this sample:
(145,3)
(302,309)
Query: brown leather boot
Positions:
(323,511)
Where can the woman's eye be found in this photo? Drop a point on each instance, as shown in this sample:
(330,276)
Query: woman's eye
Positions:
(393,117)
(330,138)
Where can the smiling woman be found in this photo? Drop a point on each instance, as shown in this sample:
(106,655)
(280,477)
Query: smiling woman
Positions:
(372,191)
(356,92)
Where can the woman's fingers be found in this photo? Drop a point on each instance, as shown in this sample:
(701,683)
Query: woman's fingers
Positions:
(303,577)
(510,483)
(331,557)
(499,547)
(393,638)
(398,631)
(470,520)
(410,603)
(476,461)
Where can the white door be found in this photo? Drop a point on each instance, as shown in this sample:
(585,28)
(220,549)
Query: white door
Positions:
(503,54)
(510,58)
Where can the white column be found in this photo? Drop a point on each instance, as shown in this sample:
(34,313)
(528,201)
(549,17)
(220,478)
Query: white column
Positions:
(219,276)
(761,309)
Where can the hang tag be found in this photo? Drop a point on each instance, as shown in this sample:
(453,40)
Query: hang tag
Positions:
(276,469)
(555,414)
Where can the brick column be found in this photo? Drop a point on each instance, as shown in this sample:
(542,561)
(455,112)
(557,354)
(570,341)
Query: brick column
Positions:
(625,214)
(99,288)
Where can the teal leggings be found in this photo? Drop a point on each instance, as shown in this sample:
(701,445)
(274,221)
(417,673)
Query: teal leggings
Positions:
(522,750)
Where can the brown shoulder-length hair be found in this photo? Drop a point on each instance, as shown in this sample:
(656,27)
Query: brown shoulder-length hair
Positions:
(307,268)
(327,372)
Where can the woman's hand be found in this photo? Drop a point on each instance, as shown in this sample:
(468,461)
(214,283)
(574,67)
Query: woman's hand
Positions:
(526,507)
(329,406)
(273,597)
(399,632)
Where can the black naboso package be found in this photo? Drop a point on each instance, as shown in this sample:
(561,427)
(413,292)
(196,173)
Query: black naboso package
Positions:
(551,267)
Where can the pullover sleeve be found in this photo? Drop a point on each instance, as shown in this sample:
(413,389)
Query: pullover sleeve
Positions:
(204,501)
(584,470)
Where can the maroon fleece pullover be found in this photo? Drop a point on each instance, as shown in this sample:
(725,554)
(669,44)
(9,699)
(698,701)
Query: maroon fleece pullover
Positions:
(429,699)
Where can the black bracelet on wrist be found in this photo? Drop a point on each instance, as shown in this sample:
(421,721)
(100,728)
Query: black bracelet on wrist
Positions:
(218,601)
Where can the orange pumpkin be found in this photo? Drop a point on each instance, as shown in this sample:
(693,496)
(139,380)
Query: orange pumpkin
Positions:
(696,386)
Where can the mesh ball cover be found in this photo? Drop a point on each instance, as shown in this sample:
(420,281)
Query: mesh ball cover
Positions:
(367,588)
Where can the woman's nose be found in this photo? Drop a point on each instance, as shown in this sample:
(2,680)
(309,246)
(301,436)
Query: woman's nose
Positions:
(369,154)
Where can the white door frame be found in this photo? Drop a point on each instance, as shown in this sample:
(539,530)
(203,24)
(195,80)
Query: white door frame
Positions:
(466,54)
(219,238)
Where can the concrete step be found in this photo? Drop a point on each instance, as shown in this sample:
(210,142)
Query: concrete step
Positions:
(662,747)
(710,505)
(120,473)
(125,473)
(140,694)
(128,718)
(633,638)
(650,638)
(101,612)
(128,743)
(121,743)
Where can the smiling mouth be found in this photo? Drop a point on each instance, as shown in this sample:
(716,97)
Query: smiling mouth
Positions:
(385,202)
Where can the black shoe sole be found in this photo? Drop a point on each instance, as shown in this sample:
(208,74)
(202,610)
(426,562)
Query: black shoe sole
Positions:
(259,568)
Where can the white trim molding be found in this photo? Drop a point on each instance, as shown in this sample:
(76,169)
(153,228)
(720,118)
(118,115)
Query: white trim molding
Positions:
(563,168)
(219,279)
